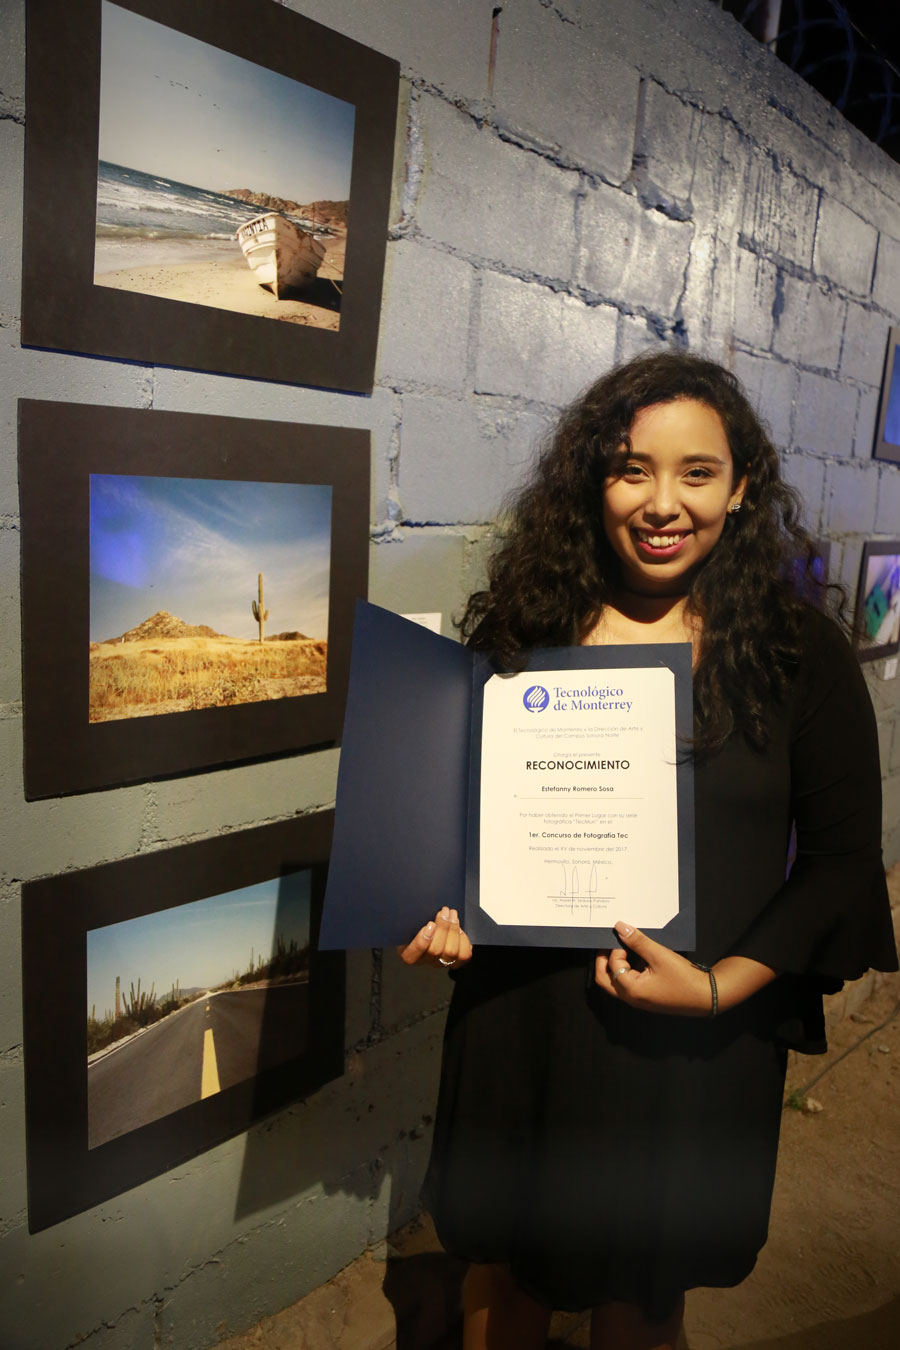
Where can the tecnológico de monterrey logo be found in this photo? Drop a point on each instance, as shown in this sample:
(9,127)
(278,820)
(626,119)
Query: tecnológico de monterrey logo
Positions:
(536,698)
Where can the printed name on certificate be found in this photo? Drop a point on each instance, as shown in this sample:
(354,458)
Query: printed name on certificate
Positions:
(579,818)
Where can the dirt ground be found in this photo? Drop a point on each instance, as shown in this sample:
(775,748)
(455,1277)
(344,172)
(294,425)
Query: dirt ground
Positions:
(828,1278)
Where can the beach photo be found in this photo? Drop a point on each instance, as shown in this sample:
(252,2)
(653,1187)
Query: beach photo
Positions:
(878,601)
(205,593)
(220,182)
(186,1002)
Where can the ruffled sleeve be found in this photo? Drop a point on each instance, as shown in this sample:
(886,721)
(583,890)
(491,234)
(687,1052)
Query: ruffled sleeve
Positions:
(832,917)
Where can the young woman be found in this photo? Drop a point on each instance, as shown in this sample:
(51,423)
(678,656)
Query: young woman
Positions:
(602,1140)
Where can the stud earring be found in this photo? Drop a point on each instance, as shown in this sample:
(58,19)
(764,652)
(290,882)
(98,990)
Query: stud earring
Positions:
(736,506)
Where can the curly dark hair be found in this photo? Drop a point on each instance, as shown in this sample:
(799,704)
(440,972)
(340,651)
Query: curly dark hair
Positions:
(554,568)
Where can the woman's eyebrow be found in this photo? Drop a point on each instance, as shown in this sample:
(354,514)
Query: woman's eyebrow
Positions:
(692,457)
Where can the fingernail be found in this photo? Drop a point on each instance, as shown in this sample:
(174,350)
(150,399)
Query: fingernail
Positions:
(445,913)
(454,917)
(429,928)
(625,929)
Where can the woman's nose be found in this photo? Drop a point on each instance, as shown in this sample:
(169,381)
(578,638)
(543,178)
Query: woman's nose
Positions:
(662,500)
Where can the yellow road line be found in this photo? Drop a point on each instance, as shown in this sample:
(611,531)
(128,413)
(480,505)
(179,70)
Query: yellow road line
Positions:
(209,1077)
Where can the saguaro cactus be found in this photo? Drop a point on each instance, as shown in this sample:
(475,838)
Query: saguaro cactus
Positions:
(260,613)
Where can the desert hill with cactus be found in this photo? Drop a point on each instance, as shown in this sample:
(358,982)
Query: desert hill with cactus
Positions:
(165,665)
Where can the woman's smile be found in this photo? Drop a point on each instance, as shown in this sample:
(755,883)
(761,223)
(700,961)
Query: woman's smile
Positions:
(667,498)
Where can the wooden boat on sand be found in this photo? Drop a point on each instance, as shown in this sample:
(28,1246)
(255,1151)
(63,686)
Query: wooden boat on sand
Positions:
(281,255)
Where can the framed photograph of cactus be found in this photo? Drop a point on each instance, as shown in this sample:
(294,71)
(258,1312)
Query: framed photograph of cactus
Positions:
(171,1000)
(224,164)
(188,588)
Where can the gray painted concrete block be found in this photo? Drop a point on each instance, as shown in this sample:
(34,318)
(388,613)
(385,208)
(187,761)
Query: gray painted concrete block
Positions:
(811,326)
(425,316)
(780,212)
(628,254)
(891,764)
(447,42)
(242,795)
(45,837)
(890,810)
(535,343)
(771,388)
(12,50)
(557,85)
(845,247)
(13,1195)
(755,292)
(244,1281)
(807,475)
(635,336)
(865,344)
(852,493)
(826,416)
(885,737)
(409,993)
(887,520)
(12,151)
(458,461)
(493,200)
(666,144)
(11,653)
(886,290)
(416,571)
(29,373)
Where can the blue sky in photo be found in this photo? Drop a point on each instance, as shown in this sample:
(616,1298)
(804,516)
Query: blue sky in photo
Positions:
(185,110)
(201,943)
(195,547)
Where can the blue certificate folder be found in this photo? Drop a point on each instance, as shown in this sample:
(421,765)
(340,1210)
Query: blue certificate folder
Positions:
(408,796)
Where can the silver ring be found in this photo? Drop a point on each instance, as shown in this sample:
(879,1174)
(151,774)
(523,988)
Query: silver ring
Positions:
(617,974)
(448,963)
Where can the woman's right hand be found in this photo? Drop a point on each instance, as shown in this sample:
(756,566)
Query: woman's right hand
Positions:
(440,943)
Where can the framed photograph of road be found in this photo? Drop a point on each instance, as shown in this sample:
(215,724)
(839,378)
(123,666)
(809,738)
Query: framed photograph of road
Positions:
(188,586)
(226,173)
(172,999)
(887,434)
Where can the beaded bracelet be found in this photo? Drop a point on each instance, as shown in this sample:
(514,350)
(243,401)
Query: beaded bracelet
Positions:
(713,987)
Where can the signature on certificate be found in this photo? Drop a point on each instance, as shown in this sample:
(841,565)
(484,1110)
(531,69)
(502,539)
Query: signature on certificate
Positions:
(579,884)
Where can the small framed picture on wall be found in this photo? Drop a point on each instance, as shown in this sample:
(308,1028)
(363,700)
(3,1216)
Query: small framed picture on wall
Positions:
(887,435)
(170,1000)
(188,587)
(877,619)
(226,168)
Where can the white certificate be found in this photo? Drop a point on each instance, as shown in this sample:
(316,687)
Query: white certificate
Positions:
(579,807)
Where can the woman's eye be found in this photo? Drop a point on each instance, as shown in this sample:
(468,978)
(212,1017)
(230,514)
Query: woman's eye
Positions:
(698,474)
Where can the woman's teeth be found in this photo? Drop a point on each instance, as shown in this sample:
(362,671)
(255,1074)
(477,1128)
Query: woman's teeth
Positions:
(660,540)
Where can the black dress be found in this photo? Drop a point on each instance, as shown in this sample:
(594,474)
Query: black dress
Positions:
(609,1153)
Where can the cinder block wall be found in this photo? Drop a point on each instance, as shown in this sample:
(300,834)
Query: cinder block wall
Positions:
(627,174)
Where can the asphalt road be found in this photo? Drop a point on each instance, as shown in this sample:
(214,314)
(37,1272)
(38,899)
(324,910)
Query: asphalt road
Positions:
(161,1070)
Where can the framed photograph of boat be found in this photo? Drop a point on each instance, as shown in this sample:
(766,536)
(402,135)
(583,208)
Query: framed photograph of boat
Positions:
(877,622)
(188,586)
(170,1000)
(887,434)
(226,173)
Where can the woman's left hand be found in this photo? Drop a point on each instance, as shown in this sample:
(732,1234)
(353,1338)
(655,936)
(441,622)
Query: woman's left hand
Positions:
(669,983)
